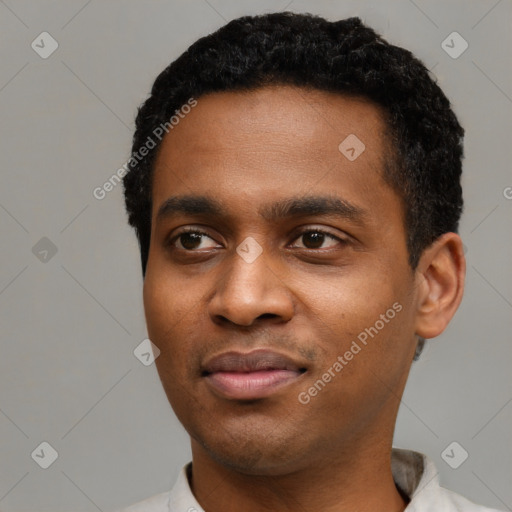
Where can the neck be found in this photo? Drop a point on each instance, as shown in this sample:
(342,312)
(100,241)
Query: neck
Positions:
(348,480)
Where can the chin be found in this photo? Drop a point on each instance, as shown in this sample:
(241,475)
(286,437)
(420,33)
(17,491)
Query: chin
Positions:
(253,453)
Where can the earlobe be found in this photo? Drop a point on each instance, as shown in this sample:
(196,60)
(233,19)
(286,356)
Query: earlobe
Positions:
(440,276)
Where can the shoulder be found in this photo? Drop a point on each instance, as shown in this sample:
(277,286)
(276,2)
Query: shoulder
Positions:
(179,498)
(157,503)
(461,504)
(416,475)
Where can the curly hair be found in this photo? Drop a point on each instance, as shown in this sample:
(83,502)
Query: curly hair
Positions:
(346,57)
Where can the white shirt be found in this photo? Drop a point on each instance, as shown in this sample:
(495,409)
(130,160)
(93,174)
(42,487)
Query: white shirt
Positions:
(413,472)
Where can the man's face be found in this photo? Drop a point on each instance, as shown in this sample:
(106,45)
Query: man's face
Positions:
(324,265)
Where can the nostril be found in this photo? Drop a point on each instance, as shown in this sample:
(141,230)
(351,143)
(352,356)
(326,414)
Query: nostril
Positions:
(267,315)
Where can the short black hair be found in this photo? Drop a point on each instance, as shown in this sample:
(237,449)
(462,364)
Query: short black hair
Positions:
(346,57)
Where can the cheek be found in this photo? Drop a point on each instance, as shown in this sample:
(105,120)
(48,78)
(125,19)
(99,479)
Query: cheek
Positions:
(365,317)
(169,310)
(171,318)
(168,299)
(348,301)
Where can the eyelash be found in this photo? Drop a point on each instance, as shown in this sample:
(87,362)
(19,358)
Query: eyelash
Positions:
(187,230)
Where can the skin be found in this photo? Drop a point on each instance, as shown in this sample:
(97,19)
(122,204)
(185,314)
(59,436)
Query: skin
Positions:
(304,299)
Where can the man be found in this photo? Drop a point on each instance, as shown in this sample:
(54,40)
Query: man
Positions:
(295,189)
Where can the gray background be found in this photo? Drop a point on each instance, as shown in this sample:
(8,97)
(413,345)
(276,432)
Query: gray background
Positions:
(69,325)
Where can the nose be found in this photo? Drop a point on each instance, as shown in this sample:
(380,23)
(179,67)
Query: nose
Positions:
(249,293)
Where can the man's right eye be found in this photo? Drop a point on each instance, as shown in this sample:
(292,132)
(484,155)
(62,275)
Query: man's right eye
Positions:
(192,239)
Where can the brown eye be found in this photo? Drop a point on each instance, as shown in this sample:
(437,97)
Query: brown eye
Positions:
(313,239)
(316,238)
(191,240)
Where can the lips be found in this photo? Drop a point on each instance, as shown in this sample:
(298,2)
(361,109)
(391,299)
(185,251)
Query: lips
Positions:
(257,360)
(252,375)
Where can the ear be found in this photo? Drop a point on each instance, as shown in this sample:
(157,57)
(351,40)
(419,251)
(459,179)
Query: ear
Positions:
(440,278)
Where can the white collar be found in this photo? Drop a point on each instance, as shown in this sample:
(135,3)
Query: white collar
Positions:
(414,473)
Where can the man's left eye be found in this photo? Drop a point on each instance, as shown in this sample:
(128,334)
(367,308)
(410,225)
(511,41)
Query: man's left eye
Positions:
(315,238)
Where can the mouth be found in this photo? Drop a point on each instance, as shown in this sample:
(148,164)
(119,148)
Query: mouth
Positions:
(250,376)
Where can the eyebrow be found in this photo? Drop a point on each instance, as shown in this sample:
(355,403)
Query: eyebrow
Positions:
(292,207)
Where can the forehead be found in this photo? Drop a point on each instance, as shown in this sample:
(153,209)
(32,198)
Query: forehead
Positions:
(276,114)
(273,141)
